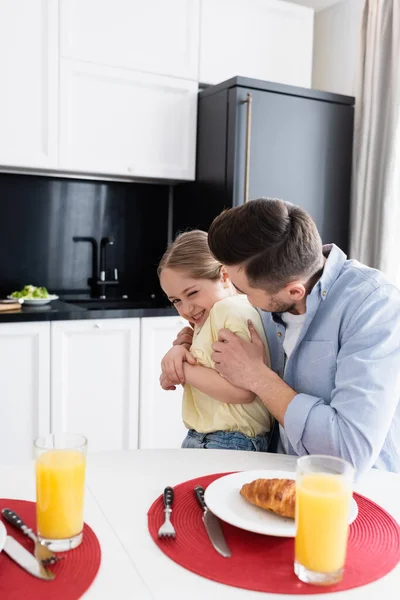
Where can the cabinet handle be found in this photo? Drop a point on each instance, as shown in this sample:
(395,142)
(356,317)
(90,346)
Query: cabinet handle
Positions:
(248,101)
(97,326)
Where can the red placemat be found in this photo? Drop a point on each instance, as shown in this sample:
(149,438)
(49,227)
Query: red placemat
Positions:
(265,563)
(74,573)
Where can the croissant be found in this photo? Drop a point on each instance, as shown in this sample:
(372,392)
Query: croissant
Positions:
(277,495)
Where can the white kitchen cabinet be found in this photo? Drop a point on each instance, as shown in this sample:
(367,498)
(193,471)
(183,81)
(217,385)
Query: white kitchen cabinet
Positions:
(264,39)
(24,388)
(29,80)
(95,381)
(153,36)
(161,423)
(116,121)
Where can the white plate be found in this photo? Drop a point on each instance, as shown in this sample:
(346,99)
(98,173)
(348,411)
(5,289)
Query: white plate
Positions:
(224,500)
(35,301)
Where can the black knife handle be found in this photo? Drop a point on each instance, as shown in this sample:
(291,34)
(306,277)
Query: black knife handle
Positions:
(199,493)
(14,519)
(168,497)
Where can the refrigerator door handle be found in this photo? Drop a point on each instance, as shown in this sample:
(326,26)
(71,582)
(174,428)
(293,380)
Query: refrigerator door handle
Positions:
(248,101)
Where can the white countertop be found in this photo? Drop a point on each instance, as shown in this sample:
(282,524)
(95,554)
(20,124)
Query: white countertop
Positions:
(121,486)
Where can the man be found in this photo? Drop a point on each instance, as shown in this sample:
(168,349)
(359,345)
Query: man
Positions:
(333,327)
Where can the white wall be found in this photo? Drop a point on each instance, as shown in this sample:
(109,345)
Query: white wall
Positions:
(336,47)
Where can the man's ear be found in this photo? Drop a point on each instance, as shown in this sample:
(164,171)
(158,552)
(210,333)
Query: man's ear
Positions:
(296,290)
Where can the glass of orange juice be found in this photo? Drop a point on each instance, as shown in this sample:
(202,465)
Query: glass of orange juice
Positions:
(323,497)
(60,485)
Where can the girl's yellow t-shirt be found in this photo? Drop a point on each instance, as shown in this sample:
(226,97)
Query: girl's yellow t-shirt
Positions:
(202,412)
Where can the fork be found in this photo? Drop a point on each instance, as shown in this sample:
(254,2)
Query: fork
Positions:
(42,552)
(167,529)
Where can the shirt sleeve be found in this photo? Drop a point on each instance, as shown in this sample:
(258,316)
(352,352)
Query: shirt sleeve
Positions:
(236,321)
(355,424)
(221,317)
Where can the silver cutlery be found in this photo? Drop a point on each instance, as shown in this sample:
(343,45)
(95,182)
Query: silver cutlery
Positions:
(42,552)
(22,557)
(167,529)
(212,525)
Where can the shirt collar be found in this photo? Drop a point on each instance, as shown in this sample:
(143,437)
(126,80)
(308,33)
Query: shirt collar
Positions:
(335,259)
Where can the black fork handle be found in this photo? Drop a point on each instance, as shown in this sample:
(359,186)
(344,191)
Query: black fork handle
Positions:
(168,497)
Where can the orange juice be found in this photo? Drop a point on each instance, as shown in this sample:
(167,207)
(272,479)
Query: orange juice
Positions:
(60,481)
(322,515)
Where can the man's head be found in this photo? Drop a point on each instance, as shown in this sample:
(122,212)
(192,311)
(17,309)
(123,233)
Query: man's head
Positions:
(271,250)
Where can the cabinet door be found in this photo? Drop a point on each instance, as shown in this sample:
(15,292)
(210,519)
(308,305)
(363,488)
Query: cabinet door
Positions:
(153,36)
(95,381)
(24,388)
(122,122)
(264,39)
(28,75)
(161,423)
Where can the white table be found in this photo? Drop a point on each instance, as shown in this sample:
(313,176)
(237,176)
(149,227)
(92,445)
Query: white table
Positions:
(121,486)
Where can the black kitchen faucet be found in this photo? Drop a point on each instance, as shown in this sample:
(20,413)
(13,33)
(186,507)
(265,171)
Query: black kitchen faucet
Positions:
(98,281)
(106,241)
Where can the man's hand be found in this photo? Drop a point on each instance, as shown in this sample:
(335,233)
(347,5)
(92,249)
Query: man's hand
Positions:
(238,360)
(172,364)
(184,338)
(243,364)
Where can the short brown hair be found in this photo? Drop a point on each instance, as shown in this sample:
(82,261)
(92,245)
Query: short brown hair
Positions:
(275,241)
(190,252)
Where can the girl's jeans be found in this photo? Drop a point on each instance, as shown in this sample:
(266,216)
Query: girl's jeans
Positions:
(226,440)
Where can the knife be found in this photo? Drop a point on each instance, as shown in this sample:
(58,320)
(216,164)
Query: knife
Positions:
(212,525)
(22,557)
(42,552)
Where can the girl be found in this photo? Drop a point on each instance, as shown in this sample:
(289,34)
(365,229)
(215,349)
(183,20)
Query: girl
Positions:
(216,413)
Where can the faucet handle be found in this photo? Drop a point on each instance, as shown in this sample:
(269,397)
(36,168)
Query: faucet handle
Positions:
(110,240)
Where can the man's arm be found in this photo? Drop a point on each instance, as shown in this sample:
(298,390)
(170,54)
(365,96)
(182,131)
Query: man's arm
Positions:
(355,424)
(211,383)
(367,385)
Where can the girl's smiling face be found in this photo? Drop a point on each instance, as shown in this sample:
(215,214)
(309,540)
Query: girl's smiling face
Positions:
(194,298)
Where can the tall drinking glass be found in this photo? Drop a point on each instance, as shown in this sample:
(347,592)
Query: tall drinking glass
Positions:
(323,497)
(60,485)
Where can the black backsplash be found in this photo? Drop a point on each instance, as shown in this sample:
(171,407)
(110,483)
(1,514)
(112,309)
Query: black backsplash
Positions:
(39,216)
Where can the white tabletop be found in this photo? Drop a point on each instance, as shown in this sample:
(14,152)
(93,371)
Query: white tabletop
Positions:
(121,486)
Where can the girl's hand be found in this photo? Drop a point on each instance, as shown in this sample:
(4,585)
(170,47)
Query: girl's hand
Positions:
(172,364)
(184,338)
(166,384)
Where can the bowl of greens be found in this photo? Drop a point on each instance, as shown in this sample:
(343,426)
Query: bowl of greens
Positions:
(33,296)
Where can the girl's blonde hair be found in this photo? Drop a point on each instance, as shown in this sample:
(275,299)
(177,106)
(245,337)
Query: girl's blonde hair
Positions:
(190,252)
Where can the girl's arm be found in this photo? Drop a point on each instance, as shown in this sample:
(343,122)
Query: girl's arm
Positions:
(211,383)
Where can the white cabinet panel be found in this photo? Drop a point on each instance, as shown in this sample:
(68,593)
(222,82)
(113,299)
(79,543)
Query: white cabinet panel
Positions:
(264,39)
(24,388)
(115,121)
(161,423)
(28,76)
(154,36)
(95,381)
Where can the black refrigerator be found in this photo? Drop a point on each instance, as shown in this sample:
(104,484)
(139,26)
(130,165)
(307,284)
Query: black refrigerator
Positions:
(257,138)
